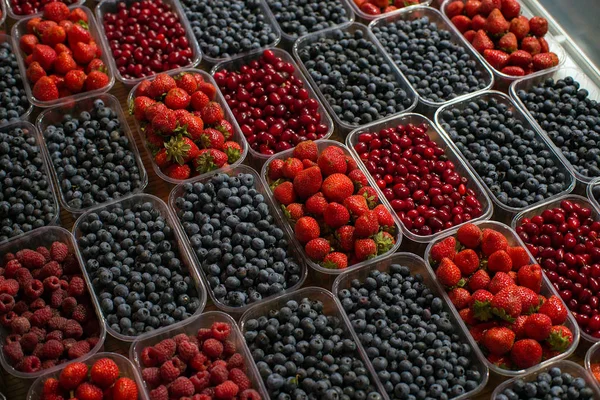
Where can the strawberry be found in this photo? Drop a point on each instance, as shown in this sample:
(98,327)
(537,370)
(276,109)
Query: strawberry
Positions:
(462,23)
(181,149)
(560,338)
(335,260)
(207,88)
(530,301)
(284,193)
(472,8)
(366,225)
(35,72)
(513,71)
(308,182)
(455,8)
(157,109)
(160,86)
(539,26)
(64,63)
(506,304)
(177,99)
(45,55)
(477,23)
(187,82)
(211,139)
(499,340)
(460,297)
(294,211)
(370,9)
(357,205)
(306,229)
(28,42)
(209,160)
(384,217)
(345,237)
(233,151)
(179,172)
(508,43)
(72,375)
(492,241)
(499,261)
(56,11)
(225,128)
(520,58)
(83,53)
(32,25)
(54,35)
(124,389)
(482,42)
(511,9)
(275,169)
(544,60)
(317,249)
(87,391)
(45,89)
(59,81)
(365,249)
(384,241)
(447,273)
(466,314)
(520,27)
(331,162)
(74,80)
(544,47)
(43,26)
(212,113)
(497,58)
(444,249)
(555,309)
(531,45)
(530,276)
(162,159)
(337,187)
(292,167)
(370,194)
(199,100)
(526,353)
(538,326)
(140,104)
(467,261)
(165,122)
(496,24)
(336,215)
(500,281)
(480,305)
(479,280)
(487,6)
(104,372)
(95,65)
(358,178)
(192,126)
(77,15)
(306,150)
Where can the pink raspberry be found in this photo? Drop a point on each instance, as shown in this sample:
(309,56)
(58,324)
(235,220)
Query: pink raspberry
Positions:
(20,325)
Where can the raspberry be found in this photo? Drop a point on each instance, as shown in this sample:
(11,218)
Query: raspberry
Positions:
(45,252)
(167,347)
(7,303)
(51,269)
(199,362)
(73,329)
(13,337)
(238,377)
(11,268)
(68,343)
(209,391)
(151,376)
(194,340)
(226,390)
(37,304)
(34,289)
(9,256)
(13,351)
(79,349)
(202,397)
(218,374)
(229,348)
(250,394)
(42,317)
(181,387)
(220,330)
(76,286)
(39,332)
(71,265)
(48,364)
(30,364)
(52,349)
(51,283)
(10,286)
(80,312)
(20,307)
(29,341)
(212,348)
(236,361)
(182,337)
(7,318)
(203,334)
(201,380)
(57,297)
(59,251)
(160,393)
(187,350)
(51,386)
(68,306)
(148,357)
(38,350)
(20,325)
(57,323)
(56,335)
(169,372)
(23,276)
(30,258)
(27,315)
(64,285)
(93,341)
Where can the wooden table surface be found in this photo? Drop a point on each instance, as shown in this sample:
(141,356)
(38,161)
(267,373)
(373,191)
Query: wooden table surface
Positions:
(16,388)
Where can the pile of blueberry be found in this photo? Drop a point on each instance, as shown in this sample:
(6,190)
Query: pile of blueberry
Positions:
(413,345)
(26,200)
(438,68)
(355,78)
(93,157)
(132,258)
(516,165)
(302,353)
(570,118)
(13,99)
(243,254)
(299,18)
(225,28)
(554,384)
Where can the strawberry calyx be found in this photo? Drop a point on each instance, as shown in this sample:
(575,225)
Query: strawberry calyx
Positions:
(502,314)
(558,341)
(384,242)
(233,154)
(83,24)
(205,162)
(276,183)
(482,310)
(177,149)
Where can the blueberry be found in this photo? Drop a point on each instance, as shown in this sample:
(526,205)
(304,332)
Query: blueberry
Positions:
(13,99)
(553,384)
(300,17)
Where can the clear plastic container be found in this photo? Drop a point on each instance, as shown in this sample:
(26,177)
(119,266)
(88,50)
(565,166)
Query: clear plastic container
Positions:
(126,370)
(236,63)
(528,82)
(161,207)
(503,80)
(107,6)
(11,14)
(46,167)
(45,237)
(451,154)
(368,17)
(570,367)
(3,14)
(331,307)
(321,145)
(415,12)
(593,193)
(20,28)
(55,114)
(308,40)
(507,211)
(191,327)
(592,357)
(7,39)
(417,266)
(269,20)
(260,186)
(547,290)
(548,205)
(237,134)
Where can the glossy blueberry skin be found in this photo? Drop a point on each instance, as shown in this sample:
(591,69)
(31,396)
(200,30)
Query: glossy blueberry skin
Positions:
(13,98)
(301,17)
(554,384)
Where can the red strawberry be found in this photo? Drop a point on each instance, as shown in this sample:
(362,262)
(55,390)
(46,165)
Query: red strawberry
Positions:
(181,149)
(306,150)
(72,375)
(500,281)
(345,237)
(513,71)
(544,47)
(466,314)
(275,169)
(162,159)
(78,15)
(95,65)
(337,187)
(539,26)
(284,193)
(498,341)
(555,309)
(448,273)
(480,304)
(470,35)
(308,182)
(358,178)
(64,63)
(497,58)
(104,372)
(335,260)
(307,229)
(492,241)
(455,8)
(496,24)
(96,80)
(472,8)
(520,27)
(560,338)
(365,249)
(45,55)
(467,261)
(444,249)
(530,276)
(45,89)
(487,6)
(538,326)
(294,211)
(35,72)
(478,22)
(209,160)
(193,127)
(479,280)
(508,42)
(357,205)
(43,26)
(506,304)
(199,100)
(531,45)
(159,108)
(460,297)
(317,249)
(336,215)
(233,151)
(83,53)
(74,80)
(482,42)
(366,225)
(27,43)
(212,139)
(164,122)
(511,9)
(526,353)
(499,261)
(520,58)
(370,9)
(32,25)
(544,61)
(161,84)
(124,389)
(225,128)
(54,35)
(331,162)
(177,99)
(179,172)
(56,11)
(187,82)
(206,87)
(530,301)
(462,23)
(212,113)
(384,217)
